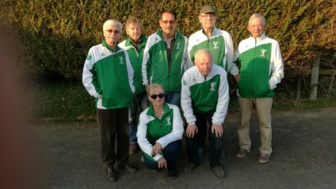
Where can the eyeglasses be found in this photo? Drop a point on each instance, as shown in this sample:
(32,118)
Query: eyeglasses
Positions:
(154,96)
(168,21)
(114,31)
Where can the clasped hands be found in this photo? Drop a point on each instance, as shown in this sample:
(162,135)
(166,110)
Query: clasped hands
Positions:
(157,149)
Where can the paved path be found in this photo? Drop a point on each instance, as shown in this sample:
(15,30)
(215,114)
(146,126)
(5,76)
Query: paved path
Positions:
(304,157)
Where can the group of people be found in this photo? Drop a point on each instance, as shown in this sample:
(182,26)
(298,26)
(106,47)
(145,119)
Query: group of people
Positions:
(158,76)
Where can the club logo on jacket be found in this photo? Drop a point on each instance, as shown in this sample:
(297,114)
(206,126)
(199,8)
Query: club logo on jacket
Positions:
(168,120)
(215,43)
(212,85)
(121,60)
(178,45)
(263,52)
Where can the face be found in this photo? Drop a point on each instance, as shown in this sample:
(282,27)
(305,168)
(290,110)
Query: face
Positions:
(204,64)
(207,20)
(112,35)
(156,92)
(168,24)
(256,27)
(134,31)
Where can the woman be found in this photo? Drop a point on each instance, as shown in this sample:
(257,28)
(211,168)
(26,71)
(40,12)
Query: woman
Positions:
(160,132)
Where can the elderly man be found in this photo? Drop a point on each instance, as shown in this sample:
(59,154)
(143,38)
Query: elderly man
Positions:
(108,76)
(260,71)
(166,58)
(204,99)
(219,42)
(134,44)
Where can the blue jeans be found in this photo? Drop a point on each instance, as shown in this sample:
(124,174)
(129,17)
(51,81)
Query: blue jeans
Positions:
(171,153)
(193,144)
(140,101)
(173,98)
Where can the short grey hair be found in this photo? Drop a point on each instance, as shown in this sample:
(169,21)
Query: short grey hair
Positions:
(154,86)
(201,53)
(112,22)
(256,15)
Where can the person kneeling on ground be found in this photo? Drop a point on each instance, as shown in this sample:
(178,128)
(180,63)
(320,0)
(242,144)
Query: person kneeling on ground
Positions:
(160,132)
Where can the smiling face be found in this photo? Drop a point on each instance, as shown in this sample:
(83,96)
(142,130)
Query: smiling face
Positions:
(256,27)
(156,91)
(134,31)
(112,34)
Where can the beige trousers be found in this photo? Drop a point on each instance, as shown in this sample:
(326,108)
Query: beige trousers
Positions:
(264,107)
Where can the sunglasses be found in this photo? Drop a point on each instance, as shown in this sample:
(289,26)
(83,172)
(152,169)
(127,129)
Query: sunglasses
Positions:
(154,96)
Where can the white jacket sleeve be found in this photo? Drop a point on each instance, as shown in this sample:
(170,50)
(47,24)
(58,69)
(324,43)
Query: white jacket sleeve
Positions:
(223,101)
(186,100)
(177,131)
(130,72)
(144,144)
(277,70)
(87,76)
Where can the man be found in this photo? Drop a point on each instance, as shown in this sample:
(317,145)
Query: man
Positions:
(134,45)
(108,76)
(261,69)
(166,58)
(204,99)
(219,42)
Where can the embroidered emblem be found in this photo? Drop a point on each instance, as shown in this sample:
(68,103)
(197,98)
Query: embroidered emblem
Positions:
(121,60)
(168,120)
(215,43)
(212,85)
(263,52)
(178,45)
(89,57)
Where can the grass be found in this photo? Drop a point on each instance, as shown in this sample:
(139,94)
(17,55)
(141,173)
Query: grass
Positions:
(70,102)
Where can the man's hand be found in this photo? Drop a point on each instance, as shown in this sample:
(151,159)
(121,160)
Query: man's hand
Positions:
(162,163)
(157,148)
(217,130)
(191,131)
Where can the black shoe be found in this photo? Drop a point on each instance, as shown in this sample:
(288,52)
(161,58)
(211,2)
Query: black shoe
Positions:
(128,168)
(172,174)
(189,167)
(111,174)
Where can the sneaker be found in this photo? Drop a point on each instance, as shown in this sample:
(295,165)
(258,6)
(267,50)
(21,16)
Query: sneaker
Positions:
(172,174)
(242,153)
(218,171)
(133,149)
(264,158)
(189,168)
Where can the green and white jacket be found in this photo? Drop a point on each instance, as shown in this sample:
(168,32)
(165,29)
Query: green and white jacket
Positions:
(261,67)
(155,68)
(108,76)
(136,62)
(220,44)
(152,129)
(205,93)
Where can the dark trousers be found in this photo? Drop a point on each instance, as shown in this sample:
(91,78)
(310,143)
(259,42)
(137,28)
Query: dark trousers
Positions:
(170,153)
(114,128)
(193,144)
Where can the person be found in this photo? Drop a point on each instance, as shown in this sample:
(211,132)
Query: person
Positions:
(134,44)
(219,42)
(108,76)
(204,99)
(261,69)
(160,132)
(166,57)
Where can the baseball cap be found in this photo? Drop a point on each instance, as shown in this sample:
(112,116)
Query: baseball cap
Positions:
(207,9)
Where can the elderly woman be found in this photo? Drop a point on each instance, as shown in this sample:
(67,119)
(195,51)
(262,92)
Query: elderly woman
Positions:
(160,132)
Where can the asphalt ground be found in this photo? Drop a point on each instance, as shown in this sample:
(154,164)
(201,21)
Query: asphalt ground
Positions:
(304,156)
